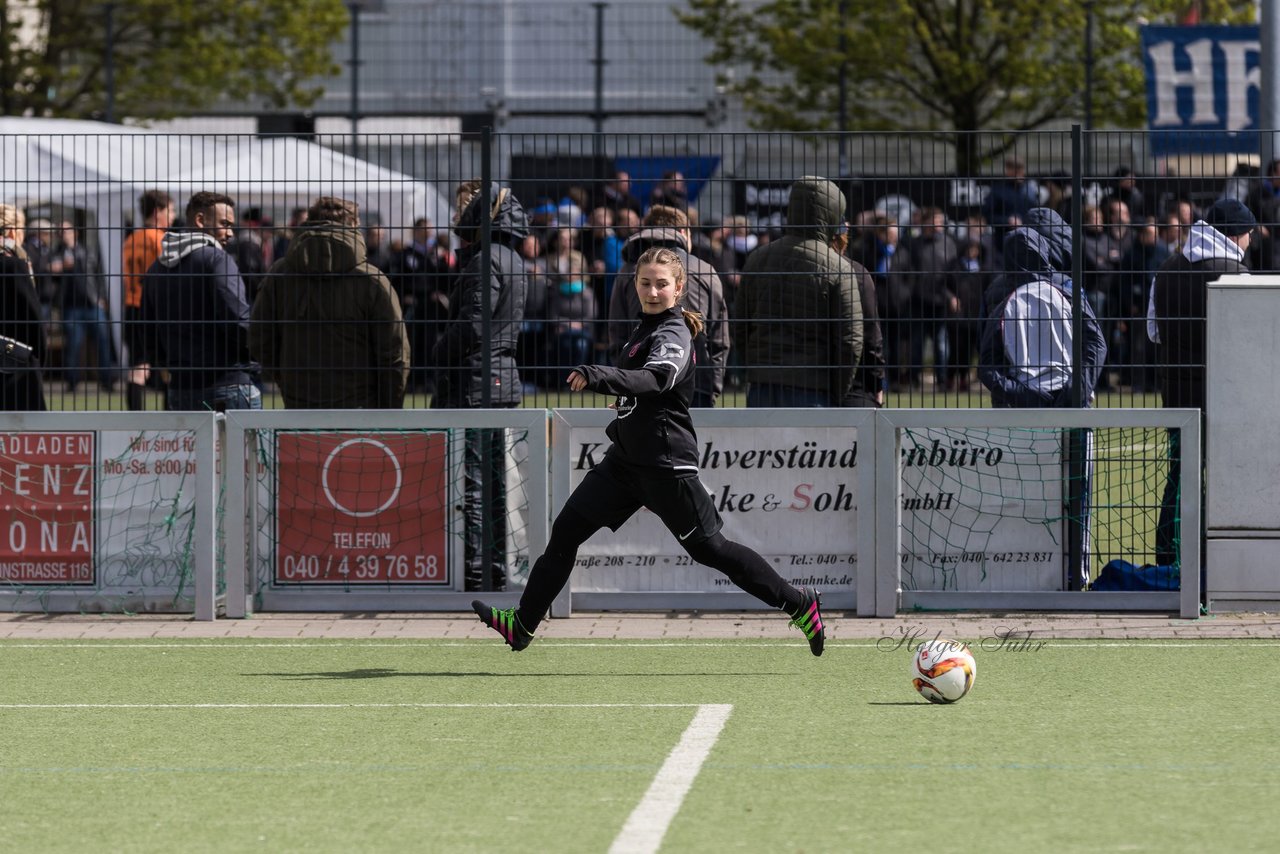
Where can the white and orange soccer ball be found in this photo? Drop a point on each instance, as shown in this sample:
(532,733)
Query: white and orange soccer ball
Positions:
(943,670)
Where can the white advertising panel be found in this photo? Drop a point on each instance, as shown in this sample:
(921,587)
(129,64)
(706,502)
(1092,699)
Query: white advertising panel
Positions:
(787,492)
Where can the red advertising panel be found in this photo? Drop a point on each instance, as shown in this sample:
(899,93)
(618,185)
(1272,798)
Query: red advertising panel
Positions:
(361,508)
(46,507)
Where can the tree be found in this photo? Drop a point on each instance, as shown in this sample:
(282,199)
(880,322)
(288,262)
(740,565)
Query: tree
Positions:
(169,57)
(951,67)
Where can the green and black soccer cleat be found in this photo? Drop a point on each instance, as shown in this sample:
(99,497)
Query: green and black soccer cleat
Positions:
(808,619)
(505,622)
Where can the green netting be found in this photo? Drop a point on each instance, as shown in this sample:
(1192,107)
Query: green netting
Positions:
(992,508)
(344,510)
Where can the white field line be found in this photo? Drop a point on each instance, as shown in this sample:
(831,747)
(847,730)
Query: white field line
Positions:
(1050,642)
(643,831)
(349,706)
(649,821)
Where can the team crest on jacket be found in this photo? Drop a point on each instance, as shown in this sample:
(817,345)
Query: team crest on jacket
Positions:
(632,352)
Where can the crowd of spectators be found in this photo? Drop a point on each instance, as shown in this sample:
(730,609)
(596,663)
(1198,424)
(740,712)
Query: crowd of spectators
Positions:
(929,268)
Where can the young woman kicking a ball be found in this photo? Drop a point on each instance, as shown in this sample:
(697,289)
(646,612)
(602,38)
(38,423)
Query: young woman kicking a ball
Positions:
(653,463)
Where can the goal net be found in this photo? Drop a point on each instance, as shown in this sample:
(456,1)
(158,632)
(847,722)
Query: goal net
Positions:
(1037,501)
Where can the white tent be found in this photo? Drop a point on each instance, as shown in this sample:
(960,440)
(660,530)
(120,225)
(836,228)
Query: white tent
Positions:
(283,172)
(96,167)
(89,165)
(103,168)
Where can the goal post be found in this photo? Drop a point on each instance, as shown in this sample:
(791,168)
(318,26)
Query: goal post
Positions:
(983,509)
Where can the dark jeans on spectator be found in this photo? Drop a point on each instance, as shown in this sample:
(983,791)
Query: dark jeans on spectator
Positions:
(936,331)
(80,321)
(218,398)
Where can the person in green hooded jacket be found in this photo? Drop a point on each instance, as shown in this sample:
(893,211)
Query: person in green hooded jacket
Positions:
(797,320)
(326,324)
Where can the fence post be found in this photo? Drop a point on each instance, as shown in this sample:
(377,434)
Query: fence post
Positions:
(486,268)
(1077,523)
(486,354)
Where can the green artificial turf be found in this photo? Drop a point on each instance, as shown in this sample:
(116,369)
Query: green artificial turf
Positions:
(1158,746)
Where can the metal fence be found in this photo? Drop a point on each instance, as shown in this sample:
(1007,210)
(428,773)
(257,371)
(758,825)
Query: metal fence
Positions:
(929,233)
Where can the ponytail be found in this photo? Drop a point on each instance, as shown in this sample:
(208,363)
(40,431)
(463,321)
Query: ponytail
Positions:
(693,320)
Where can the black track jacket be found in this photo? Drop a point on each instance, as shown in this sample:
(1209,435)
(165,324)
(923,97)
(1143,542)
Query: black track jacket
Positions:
(654,382)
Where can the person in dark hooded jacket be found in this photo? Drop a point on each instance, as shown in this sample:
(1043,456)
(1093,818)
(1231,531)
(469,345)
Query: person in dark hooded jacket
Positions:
(196,316)
(1216,245)
(1026,346)
(798,324)
(1026,355)
(326,324)
(465,380)
(668,228)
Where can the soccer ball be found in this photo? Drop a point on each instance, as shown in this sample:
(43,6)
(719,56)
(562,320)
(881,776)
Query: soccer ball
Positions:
(943,670)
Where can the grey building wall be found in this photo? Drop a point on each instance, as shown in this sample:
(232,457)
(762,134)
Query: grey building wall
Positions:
(528,63)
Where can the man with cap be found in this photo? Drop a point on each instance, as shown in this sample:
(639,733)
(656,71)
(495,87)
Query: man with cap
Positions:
(1215,246)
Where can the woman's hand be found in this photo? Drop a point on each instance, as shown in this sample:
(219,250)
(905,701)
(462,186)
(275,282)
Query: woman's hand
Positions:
(577,382)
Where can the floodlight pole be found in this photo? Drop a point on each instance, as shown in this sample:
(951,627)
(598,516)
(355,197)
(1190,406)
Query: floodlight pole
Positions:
(109,62)
(598,61)
(354,8)
(1269,91)
(598,114)
(1088,78)
(842,101)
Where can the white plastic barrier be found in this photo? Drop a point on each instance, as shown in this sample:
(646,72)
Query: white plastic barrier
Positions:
(108,511)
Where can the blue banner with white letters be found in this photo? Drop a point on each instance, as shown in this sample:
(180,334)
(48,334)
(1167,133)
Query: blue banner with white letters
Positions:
(1202,88)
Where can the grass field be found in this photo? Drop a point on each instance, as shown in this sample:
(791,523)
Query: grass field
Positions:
(436,746)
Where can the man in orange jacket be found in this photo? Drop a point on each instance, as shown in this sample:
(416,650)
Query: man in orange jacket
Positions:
(141,248)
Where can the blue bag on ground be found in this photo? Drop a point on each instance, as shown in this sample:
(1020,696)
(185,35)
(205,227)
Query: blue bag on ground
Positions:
(1122,575)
